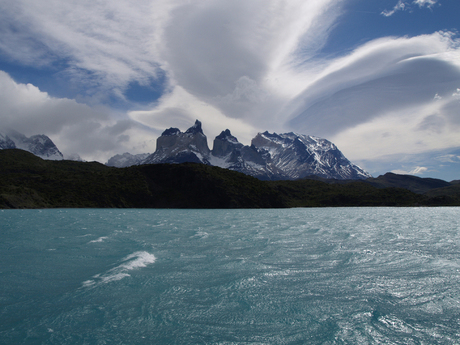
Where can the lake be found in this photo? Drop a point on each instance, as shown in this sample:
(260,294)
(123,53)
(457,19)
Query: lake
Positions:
(276,276)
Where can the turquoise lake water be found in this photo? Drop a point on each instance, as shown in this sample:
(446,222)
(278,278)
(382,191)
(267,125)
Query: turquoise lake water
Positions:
(290,276)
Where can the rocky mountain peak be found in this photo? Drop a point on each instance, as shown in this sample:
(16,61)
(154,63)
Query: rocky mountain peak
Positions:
(176,147)
(195,129)
(225,143)
(227,135)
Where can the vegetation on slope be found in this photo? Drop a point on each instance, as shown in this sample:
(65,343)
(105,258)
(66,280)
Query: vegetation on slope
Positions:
(27,181)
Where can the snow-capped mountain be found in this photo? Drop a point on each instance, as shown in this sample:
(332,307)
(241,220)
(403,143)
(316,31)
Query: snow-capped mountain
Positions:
(269,157)
(285,156)
(126,160)
(40,145)
(294,156)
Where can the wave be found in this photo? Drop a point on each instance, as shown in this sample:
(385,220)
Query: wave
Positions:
(131,262)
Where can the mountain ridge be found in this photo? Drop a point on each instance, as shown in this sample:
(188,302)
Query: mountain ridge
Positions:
(269,157)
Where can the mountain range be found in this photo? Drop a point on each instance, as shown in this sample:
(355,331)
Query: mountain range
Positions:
(287,156)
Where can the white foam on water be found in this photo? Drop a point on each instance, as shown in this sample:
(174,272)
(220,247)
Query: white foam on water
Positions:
(114,277)
(141,259)
(131,262)
(100,239)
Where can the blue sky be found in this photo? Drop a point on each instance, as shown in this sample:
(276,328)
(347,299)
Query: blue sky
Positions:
(380,79)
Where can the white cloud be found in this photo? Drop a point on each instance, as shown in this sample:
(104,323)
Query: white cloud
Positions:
(456,94)
(26,109)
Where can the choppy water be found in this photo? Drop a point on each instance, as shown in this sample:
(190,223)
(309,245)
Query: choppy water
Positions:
(292,276)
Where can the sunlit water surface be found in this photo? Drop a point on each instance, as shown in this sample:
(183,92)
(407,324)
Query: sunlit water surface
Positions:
(290,276)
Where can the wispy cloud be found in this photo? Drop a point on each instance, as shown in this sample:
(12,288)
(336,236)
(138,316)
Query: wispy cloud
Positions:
(400,6)
(408,6)
(449,158)
(425,3)
(415,171)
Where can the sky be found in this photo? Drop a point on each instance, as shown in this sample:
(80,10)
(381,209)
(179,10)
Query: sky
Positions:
(380,79)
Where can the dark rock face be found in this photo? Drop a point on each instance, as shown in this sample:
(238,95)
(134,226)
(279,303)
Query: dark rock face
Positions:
(224,144)
(173,146)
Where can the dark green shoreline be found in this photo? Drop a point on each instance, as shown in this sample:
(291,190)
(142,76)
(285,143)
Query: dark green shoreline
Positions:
(27,181)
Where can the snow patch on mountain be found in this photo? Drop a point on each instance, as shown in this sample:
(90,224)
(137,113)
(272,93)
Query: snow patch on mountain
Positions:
(40,145)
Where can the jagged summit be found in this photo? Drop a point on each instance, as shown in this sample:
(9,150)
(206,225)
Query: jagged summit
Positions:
(270,156)
(195,129)
(173,146)
(224,144)
(227,135)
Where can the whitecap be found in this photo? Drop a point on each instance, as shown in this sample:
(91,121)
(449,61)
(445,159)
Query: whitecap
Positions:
(141,259)
(131,262)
